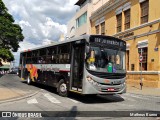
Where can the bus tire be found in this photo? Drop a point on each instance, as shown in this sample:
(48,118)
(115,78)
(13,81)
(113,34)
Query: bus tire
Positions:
(62,88)
(29,81)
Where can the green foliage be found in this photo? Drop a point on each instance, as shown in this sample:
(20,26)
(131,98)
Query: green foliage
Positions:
(6,54)
(10,34)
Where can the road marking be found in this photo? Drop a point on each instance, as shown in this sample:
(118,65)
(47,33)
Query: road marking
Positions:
(137,96)
(32,101)
(146,96)
(51,98)
(75,101)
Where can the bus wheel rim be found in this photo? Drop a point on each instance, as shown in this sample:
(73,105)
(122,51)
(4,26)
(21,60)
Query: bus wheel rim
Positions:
(63,87)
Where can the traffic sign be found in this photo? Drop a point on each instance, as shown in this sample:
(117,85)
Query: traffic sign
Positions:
(140,58)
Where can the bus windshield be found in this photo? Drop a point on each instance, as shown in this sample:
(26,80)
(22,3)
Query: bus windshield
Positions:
(105,60)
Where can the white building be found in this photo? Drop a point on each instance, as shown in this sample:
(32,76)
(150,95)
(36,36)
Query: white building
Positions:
(80,23)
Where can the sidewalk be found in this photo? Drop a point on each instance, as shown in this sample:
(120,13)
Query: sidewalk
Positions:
(7,93)
(136,89)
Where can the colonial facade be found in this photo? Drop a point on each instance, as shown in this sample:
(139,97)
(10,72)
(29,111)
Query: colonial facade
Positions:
(138,23)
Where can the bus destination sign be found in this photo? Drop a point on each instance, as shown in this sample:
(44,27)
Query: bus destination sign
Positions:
(108,41)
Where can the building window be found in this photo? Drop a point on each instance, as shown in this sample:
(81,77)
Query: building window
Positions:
(103,28)
(132,67)
(81,20)
(127,59)
(119,22)
(127,19)
(97,29)
(144,61)
(144,11)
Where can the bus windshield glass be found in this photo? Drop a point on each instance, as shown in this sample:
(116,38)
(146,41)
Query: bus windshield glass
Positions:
(102,59)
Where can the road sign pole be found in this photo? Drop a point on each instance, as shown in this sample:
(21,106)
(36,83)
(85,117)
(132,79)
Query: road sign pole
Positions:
(141,83)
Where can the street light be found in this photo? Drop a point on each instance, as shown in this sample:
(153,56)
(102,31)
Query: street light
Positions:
(140,60)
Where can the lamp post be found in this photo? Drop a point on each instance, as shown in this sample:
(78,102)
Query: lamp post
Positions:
(140,59)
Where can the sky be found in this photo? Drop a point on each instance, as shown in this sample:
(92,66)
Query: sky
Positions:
(42,22)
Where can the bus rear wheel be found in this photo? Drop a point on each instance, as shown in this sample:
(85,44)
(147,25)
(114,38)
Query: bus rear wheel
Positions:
(29,81)
(62,88)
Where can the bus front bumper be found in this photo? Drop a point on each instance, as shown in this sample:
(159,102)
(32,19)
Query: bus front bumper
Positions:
(113,90)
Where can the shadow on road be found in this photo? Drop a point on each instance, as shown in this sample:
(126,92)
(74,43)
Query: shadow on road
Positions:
(1,75)
(87,99)
(67,115)
(92,99)
(158,103)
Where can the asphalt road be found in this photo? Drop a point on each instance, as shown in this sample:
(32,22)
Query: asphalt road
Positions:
(48,100)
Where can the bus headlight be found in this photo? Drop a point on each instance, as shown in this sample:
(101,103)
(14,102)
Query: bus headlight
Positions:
(89,78)
(123,84)
(92,81)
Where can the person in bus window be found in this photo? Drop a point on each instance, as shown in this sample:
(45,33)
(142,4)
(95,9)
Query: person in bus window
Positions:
(103,63)
(118,66)
(41,60)
(91,60)
(104,60)
(110,64)
(117,59)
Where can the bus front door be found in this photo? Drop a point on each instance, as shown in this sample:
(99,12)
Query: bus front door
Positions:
(77,67)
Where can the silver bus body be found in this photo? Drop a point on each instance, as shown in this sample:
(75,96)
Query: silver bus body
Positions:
(75,74)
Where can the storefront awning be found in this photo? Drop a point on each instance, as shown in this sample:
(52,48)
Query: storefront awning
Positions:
(5,67)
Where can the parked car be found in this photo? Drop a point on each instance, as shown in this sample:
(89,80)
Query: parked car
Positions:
(14,71)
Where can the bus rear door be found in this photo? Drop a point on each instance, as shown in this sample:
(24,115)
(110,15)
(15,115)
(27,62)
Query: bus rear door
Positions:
(22,67)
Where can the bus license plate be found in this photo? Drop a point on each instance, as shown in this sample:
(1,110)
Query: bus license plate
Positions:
(111,89)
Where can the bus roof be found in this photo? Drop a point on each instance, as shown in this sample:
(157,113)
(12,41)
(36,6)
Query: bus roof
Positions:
(61,42)
(86,37)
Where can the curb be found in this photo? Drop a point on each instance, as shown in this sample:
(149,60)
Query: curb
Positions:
(20,98)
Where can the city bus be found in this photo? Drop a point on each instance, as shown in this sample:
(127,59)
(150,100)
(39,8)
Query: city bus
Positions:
(88,64)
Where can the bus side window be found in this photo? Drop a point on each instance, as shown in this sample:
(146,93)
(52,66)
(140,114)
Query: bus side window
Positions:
(35,56)
(54,55)
(49,55)
(29,57)
(60,58)
(67,58)
(43,53)
(62,54)
(53,59)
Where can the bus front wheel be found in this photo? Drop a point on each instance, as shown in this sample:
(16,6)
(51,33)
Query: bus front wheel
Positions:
(29,81)
(62,88)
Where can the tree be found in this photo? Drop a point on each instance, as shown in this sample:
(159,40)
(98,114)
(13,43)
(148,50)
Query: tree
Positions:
(10,34)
